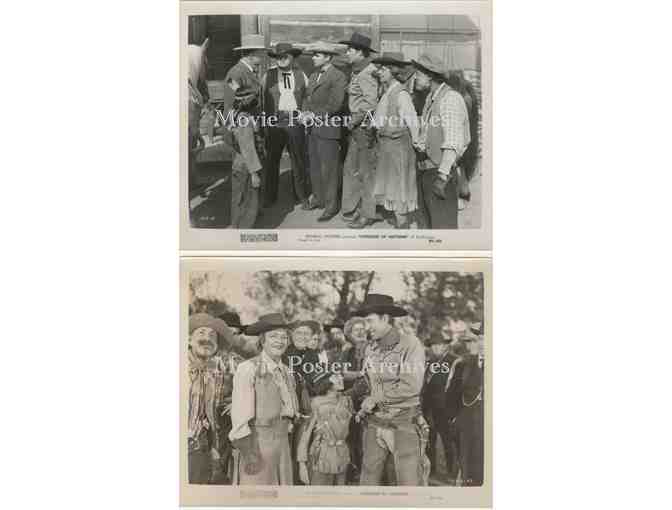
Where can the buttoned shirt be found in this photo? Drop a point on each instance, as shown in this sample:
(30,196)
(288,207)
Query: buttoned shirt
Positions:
(286,84)
(454,120)
(243,407)
(395,367)
(362,90)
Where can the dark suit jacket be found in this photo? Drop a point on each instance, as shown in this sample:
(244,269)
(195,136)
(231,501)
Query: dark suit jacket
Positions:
(326,96)
(441,397)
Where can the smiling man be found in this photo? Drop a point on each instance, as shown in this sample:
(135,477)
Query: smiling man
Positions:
(211,368)
(395,428)
(264,408)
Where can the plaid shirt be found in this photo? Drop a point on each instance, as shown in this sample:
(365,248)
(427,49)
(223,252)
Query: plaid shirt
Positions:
(454,120)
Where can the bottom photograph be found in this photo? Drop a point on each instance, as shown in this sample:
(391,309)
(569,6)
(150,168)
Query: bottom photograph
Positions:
(353,378)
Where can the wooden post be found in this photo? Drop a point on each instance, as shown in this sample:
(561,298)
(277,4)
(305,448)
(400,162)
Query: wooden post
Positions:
(375,32)
(249,24)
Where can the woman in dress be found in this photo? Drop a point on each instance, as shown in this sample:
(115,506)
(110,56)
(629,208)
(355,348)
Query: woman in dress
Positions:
(396,122)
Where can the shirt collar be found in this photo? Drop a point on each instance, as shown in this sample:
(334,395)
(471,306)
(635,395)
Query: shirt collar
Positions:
(437,91)
(268,361)
(389,341)
(247,65)
(359,66)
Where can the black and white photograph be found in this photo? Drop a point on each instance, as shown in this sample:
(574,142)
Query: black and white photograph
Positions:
(341,125)
(297,378)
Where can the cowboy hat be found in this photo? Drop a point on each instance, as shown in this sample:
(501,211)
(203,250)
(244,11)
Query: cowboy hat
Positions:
(381,304)
(313,325)
(232,319)
(284,49)
(201,320)
(336,324)
(391,58)
(266,323)
(431,64)
(251,42)
(359,41)
(323,47)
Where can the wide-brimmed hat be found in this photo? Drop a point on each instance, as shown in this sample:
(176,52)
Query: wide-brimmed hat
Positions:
(359,41)
(391,58)
(323,47)
(200,320)
(313,325)
(336,324)
(431,64)
(284,49)
(251,42)
(380,303)
(266,323)
(232,320)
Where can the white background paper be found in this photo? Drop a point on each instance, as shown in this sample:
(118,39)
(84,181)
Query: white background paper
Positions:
(89,282)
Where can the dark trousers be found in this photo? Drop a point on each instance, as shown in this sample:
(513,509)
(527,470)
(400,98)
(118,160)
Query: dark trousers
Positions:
(436,213)
(470,431)
(325,171)
(277,138)
(447,430)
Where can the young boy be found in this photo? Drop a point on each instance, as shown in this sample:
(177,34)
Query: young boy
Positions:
(323,452)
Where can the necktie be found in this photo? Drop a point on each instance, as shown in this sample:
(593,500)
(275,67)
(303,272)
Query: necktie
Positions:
(287,82)
(319,75)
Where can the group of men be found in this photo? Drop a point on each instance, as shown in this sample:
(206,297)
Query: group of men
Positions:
(344,154)
(250,392)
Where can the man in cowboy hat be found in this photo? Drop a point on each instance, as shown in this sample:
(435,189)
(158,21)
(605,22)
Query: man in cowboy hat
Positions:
(444,136)
(323,106)
(283,93)
(252,51)
(245,138)
(441,396)
(241,345)
(394,426)
(211,369)
(264,408)
(359,204)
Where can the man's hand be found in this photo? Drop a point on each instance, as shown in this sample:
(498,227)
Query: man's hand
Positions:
(303,473)
(256,180)
(368,405)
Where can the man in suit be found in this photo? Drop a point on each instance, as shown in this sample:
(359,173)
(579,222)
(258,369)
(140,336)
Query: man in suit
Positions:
(324,104)
(441,396)
(283,91)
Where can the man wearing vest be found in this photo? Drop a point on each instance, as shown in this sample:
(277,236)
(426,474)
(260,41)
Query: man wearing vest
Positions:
(395,428)
(359,203)
(263,408)
(324,104)
(284,90)
(444,136)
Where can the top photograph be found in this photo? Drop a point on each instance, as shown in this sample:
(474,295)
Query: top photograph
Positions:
(341,131)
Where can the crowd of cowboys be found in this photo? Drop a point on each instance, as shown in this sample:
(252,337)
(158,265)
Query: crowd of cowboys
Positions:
(397,142)
(360,403)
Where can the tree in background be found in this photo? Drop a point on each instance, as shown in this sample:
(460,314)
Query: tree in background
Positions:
(321,295)
(204,290)
(431,297)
